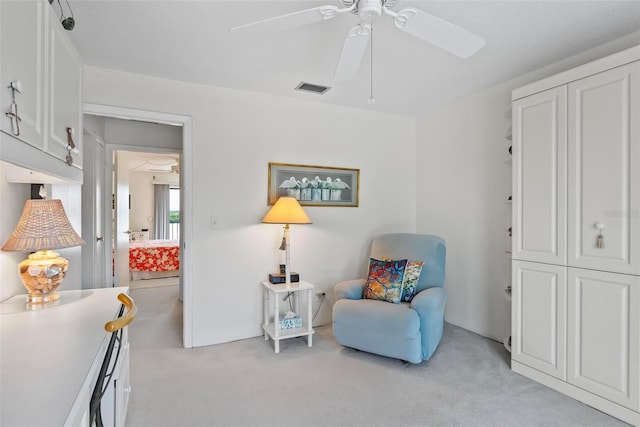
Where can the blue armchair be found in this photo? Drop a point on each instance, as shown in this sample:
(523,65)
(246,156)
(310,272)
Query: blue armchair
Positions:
(406,331)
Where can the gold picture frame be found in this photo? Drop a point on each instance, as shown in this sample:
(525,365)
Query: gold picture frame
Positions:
(314,185)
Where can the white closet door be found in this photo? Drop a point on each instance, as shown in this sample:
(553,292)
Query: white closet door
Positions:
(604,172)
(538,317)
(539,180)
(604,334)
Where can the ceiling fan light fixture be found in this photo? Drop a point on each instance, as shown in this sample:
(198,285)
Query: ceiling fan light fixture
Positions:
(309,87)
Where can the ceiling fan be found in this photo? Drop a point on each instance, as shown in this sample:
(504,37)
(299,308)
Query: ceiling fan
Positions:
(415,22)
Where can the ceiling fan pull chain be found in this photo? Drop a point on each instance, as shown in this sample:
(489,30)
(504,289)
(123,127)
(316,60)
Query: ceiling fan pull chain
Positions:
(371,100)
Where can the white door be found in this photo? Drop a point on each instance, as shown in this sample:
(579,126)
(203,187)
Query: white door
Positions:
(538,323)
(604,171)
(121,215)
(604,334)
(539,180)
(94,273)
(100,259)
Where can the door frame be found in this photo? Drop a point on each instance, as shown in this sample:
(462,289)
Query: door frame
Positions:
(186,194)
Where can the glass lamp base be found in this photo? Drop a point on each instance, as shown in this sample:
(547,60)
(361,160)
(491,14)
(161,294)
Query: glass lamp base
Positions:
(42,273)
(42,299)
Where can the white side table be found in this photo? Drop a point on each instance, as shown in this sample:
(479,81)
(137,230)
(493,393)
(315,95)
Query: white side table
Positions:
(272,329)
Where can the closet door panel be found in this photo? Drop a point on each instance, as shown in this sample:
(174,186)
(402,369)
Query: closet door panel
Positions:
(604,179)
(538,317)
(539,181)
(604,334)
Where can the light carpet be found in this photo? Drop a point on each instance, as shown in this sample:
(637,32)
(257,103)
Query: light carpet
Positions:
(244,383)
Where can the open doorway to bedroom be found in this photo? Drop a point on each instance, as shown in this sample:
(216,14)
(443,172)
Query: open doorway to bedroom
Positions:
(153,200)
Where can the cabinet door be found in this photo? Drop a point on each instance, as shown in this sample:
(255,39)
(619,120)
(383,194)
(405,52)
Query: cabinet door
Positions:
(604,334)
(539,177)
(538,317)
(65,95)
(604,170)
(123,389)
(22,47)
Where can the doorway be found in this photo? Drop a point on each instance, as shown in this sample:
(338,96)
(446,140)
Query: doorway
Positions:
(149,117)
(145,217)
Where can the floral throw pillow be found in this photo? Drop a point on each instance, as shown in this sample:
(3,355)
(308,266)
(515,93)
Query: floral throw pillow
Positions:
(385,280)
(411,276)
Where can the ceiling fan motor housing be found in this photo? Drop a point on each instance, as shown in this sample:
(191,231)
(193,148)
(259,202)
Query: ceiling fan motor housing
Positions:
(368,10)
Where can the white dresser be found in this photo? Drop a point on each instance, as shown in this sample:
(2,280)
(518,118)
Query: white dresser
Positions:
(50,359)
(576,233)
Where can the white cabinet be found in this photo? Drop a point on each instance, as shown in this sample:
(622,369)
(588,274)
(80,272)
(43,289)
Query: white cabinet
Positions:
(604,170)
(72,338)
(65,94)
(139,235)
(22,45)
(576,233)
(35,50)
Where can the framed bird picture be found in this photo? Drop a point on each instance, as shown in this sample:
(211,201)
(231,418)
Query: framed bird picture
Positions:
(314,185)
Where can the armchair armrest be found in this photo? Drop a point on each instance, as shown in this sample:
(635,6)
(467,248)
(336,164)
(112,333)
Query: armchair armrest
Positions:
(429,304)
(429,299)
(349,289)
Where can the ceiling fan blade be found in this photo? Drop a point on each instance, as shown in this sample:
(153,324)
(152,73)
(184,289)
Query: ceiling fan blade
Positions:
(355,45)
(295,19)
(436,31)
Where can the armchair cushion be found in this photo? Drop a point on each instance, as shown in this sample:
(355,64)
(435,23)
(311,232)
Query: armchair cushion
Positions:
(385,280)
(411,276)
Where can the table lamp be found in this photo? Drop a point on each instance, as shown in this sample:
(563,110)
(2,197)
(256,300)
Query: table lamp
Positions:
(286,211)
(43,226)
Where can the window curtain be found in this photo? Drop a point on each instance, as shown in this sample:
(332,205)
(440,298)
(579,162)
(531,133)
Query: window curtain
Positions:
(161,211)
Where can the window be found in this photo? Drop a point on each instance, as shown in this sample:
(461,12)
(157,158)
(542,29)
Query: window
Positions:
(174,213)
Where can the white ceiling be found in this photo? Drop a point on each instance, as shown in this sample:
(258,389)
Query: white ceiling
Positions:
(189,41)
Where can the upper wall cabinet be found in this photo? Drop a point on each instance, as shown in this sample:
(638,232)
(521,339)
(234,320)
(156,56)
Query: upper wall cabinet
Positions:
(22,46)
(38,59)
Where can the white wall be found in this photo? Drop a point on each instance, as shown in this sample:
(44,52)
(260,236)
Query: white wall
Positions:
(132,132)
(141,190)
(235,135)
(13,196)
(463,181)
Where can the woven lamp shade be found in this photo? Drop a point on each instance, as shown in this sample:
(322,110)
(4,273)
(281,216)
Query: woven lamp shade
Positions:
(43,225)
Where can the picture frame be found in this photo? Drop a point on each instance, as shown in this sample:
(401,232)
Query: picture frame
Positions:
(314,185)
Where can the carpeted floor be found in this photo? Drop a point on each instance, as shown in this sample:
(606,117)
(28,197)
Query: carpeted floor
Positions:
(244,383)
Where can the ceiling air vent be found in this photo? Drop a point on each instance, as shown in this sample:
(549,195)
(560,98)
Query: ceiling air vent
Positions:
(308,87)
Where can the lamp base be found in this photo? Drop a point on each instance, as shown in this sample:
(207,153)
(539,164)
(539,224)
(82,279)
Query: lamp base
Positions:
(42,273)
